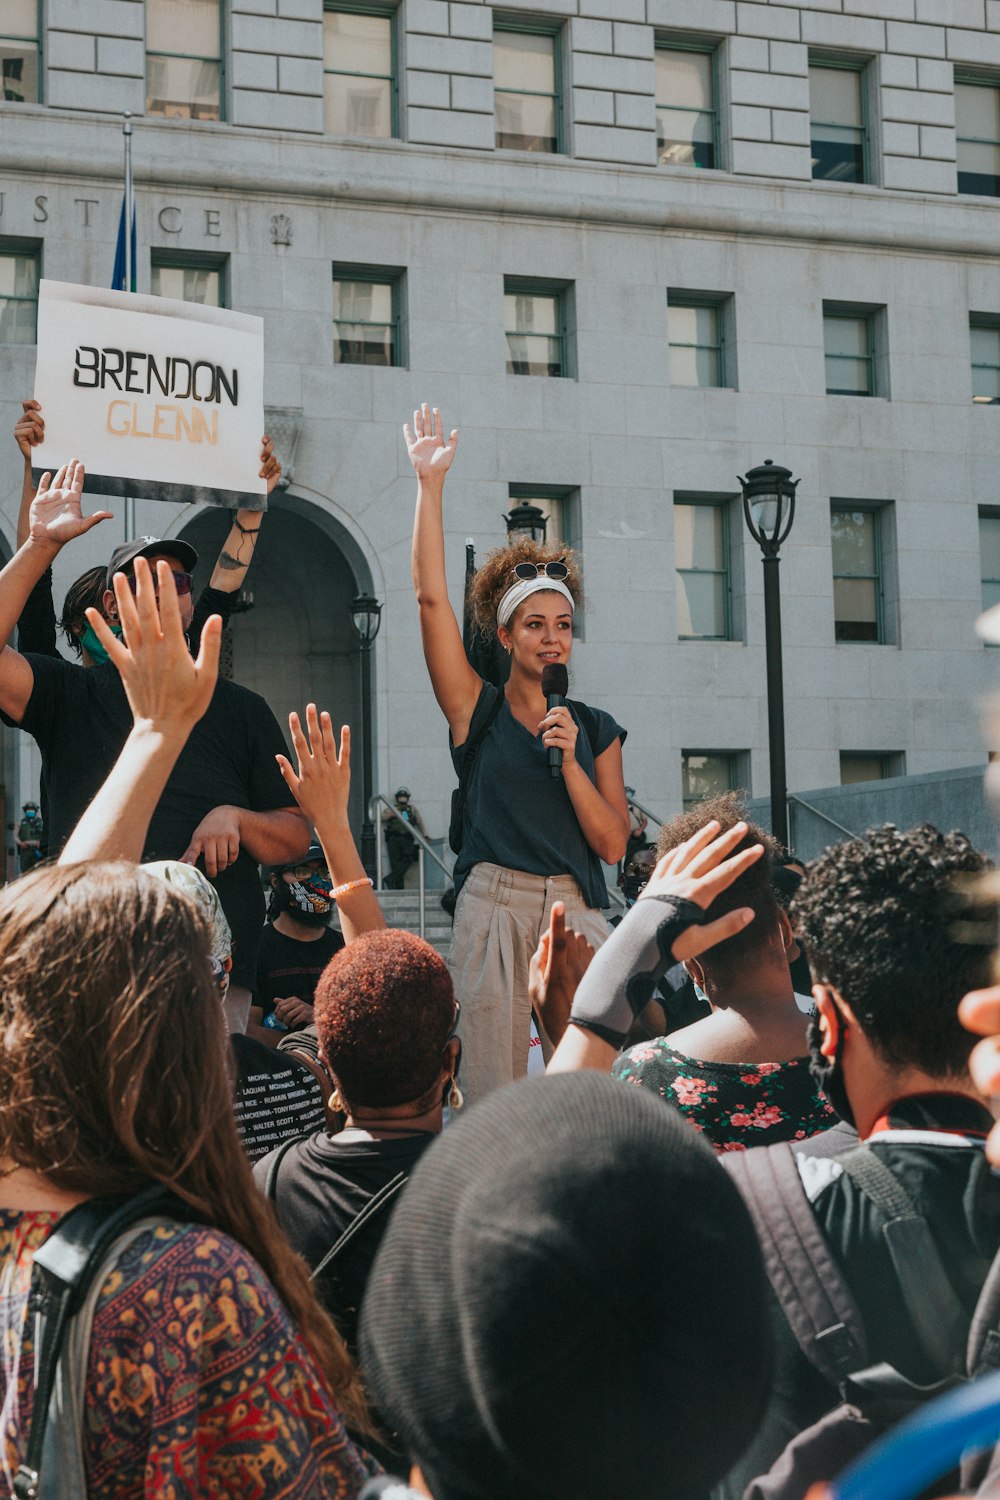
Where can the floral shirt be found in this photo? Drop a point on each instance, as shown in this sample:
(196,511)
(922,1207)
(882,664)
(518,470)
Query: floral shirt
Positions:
(197,1383)
(735,1105)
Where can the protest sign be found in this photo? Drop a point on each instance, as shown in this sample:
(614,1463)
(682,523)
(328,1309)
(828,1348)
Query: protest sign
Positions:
(162,400)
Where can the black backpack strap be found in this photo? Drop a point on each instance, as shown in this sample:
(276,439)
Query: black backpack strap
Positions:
(588,719)
(468,761)
(376,1205)
(63,1269)
(271,1180)
(807,1281)
(935,1312)
(983,1353)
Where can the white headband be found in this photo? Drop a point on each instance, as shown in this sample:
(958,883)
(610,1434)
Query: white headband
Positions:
(519,591)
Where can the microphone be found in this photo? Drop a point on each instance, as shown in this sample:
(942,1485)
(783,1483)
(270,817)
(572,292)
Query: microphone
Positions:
(555,686)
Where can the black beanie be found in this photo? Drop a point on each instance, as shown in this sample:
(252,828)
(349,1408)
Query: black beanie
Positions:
(569,1301)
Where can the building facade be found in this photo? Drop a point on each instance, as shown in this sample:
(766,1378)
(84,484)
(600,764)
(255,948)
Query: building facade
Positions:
(631,248)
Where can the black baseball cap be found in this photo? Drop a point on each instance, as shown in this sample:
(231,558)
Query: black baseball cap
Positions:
(151,546)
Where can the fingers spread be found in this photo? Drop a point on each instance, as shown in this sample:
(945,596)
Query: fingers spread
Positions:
(696,940)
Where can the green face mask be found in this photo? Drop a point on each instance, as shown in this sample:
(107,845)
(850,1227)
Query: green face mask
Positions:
(92,645)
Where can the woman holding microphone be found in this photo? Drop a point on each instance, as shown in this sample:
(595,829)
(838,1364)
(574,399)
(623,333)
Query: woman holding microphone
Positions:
(529,837)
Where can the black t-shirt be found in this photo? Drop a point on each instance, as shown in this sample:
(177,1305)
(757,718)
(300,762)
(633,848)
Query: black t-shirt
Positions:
(274,1098)
(323,1184)
(80,719)
(288,966)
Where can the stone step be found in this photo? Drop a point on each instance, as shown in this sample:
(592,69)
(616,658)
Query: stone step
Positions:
(402,909)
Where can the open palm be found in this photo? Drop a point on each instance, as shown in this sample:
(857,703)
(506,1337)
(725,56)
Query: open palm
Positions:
(56,515)
(429,453)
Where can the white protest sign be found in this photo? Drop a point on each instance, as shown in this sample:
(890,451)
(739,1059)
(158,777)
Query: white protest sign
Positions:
(162,400)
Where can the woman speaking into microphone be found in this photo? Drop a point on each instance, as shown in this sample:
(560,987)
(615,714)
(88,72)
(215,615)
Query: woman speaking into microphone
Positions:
(533,831)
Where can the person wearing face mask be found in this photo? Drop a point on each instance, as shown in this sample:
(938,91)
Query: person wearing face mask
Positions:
(30,837)
(895,938)
(399,842)
(296,945)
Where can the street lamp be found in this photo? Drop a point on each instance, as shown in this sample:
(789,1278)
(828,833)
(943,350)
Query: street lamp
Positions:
(528,520)
(769,507)
(366,613)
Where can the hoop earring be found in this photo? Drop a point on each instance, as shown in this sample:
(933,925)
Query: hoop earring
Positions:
(336,1104)
(456,1098)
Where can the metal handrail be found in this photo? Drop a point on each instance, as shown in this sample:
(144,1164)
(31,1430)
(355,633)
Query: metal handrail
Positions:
(379,802)
(647,812)
(818,812)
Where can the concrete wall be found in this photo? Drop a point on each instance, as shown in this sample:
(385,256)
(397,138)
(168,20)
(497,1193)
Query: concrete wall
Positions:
(459,216)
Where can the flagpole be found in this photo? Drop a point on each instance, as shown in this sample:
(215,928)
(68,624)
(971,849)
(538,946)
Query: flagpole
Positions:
(127,133)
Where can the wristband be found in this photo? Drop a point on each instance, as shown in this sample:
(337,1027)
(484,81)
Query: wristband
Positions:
(623,976)
(350,885)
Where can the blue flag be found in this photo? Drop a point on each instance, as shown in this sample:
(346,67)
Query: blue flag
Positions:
(118,279)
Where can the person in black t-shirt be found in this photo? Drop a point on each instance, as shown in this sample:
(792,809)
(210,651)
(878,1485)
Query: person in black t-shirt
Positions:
(225,804)
(295,947)
(386,1016)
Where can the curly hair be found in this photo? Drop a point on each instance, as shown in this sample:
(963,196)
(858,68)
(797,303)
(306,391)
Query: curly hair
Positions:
(384,1008)
(113,1067)
(893,922)
(87,592)
(753,888)
(495,576)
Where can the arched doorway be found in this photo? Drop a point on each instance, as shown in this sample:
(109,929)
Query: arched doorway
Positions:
(293,641)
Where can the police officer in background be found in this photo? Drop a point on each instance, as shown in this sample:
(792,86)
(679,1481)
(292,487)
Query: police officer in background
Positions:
(401,844)
(29,837)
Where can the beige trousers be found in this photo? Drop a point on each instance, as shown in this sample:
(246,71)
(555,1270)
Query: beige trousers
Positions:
(500,917)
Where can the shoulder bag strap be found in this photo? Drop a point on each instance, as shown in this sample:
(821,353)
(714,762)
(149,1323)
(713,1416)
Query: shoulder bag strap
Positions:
(936,1314)
(471,751)
(983,1353)
(376,1204)
(807,1280)
(588,719)
(271,1180)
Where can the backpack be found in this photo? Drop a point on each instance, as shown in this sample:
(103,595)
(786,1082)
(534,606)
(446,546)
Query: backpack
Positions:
(67,1276)
(824,1317)
(456,823)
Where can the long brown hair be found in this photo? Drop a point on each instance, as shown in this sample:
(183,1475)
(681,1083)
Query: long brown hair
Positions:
(495,576)
(113,1067)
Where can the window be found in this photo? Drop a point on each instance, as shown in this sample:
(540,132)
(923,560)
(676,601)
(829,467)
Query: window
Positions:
(857,573)
(984,336)
(184,59)
(849,347)
(696,331)
(701,559)
(705,773)
(367,316)
(186,280)
(18,296)
(359,71)
(526,89)
(536,318)
(989,555)
(870,765)
(686,116)
(977,123)
(558,504)
(19,52)
(838,125)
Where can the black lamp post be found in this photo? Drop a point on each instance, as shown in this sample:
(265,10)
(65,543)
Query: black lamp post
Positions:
(366,612)
(526,519)
(769,507)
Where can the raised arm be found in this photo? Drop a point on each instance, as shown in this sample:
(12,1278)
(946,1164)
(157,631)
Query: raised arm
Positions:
(233,562)
(321,787)
(670,922)
(456,685)
(167,692)
(55,518)
(29,430)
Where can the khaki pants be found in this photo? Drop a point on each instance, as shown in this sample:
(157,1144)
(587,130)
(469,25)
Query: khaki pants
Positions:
(500,917)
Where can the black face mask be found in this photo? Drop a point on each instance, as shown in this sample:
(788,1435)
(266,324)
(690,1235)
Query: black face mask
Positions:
(283,898)
(828,1074)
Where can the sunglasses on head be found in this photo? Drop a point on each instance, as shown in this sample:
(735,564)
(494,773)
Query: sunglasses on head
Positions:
(182,582)
(537,570)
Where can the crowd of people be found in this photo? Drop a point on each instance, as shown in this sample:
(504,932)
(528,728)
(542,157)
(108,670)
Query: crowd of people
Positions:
(280,1214)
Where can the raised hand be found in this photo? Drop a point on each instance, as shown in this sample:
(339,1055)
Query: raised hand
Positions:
(270,464)
(699,870)
(56,514)
(29,429)
(166,689)
(556,968)
(430,455)
(322,784)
